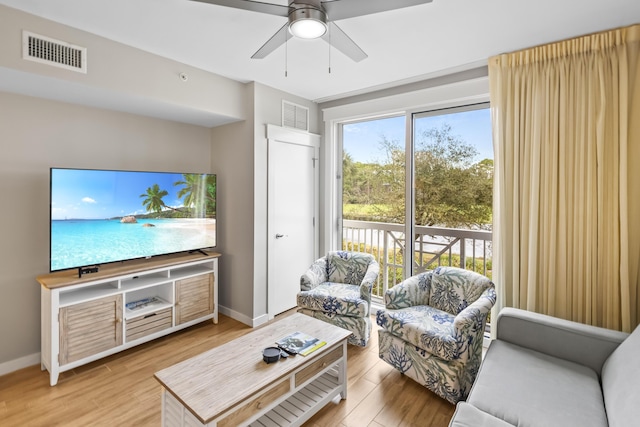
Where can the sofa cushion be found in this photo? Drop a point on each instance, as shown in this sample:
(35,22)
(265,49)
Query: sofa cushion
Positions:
(335,298)
(527,388)
(469,416)
(621,383)
(425,327)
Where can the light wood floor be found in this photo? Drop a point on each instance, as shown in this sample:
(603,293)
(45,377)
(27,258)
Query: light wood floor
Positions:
(120,390)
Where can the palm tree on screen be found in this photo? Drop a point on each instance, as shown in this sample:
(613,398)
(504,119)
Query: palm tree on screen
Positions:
(198,192)
(153,201)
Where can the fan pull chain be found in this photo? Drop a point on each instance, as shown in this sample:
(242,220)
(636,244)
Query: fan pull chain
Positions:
(329,49)
(286,55)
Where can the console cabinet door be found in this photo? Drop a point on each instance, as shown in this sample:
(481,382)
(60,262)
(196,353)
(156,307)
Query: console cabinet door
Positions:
(194,298)
(90,328)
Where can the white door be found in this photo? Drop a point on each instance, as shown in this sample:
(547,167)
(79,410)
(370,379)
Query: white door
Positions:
(292,206)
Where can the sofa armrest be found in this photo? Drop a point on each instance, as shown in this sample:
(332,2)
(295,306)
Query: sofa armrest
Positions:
(315,275)
(584,344)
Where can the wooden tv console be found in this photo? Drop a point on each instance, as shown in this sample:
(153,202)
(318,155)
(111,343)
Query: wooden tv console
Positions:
(86,318)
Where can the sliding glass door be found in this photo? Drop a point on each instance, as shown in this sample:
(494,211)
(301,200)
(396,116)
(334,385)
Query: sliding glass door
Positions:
(423,201)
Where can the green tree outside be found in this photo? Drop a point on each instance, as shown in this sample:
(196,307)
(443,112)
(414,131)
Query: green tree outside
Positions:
(451,188)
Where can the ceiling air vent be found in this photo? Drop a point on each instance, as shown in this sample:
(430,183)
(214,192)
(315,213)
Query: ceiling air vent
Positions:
(53,52)
(295,116)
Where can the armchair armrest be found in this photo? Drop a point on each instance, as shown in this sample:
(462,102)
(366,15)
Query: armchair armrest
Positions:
(469,324)
(411,292)
(368,280)
(315,275)
(475,315)
(584,344)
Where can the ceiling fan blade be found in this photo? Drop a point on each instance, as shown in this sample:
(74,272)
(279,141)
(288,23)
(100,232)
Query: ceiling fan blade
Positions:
(341,41)
(276,40)
(254,6)
(343,9)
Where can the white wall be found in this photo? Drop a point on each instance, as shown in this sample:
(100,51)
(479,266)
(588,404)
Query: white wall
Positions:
(36,134)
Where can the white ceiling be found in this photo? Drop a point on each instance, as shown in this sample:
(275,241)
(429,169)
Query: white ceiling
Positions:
(403,45)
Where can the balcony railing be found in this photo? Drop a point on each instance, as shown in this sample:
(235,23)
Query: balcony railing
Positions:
(432,247)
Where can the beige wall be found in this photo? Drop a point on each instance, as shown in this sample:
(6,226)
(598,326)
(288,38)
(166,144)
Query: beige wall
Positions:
(232,161)
(36,134)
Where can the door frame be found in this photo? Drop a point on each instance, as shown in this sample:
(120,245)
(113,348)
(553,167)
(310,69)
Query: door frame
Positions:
(290,136)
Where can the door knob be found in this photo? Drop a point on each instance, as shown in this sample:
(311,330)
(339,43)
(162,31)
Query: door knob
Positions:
(279,236)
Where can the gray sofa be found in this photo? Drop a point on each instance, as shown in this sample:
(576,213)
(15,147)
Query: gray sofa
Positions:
(544,371)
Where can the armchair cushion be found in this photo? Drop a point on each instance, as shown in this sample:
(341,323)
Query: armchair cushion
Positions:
(425,327)
(334,298)
(347,267)
(411,292)
(453,289)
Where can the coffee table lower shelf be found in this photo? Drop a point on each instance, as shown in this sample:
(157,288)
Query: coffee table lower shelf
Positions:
(293,411)
(303,405)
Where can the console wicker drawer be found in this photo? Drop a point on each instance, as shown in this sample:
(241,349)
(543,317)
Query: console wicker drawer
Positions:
(148,324)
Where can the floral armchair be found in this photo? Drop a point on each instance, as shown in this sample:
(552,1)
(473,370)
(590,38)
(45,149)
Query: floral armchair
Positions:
(337,290)
(433,327)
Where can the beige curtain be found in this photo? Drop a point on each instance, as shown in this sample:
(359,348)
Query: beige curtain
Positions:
(566,129)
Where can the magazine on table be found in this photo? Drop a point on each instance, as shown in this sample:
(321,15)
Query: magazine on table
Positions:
(298,343)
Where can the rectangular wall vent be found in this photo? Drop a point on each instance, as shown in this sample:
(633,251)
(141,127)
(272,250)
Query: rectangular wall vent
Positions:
(53,52)
(295,116)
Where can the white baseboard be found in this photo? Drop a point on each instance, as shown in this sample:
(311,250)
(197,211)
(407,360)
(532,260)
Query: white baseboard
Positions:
(242,318)
(20,363)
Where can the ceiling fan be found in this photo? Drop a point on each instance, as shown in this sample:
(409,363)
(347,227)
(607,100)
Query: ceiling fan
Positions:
(310,19)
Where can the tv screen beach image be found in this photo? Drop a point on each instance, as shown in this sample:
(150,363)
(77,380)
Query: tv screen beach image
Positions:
(100,216)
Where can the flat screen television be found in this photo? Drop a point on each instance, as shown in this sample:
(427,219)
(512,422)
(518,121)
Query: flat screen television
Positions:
(105,216)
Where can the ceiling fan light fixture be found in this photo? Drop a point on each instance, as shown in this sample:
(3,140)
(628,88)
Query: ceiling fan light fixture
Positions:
(308,23)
